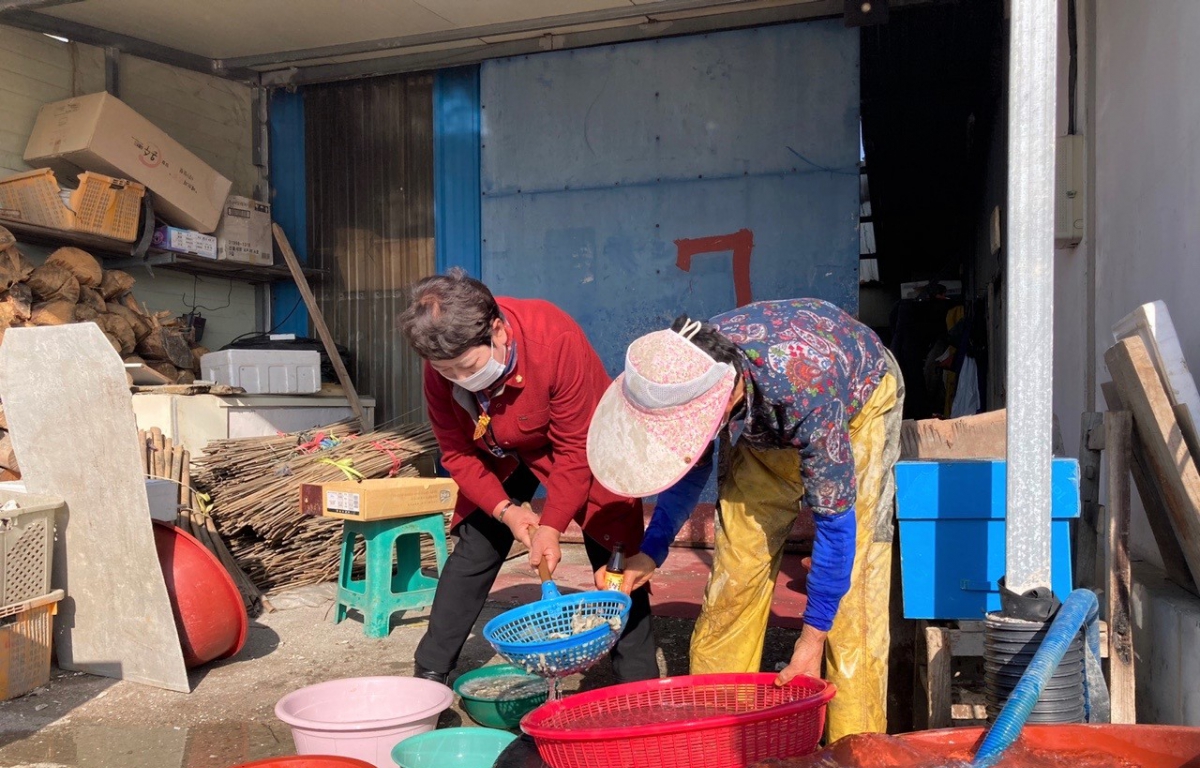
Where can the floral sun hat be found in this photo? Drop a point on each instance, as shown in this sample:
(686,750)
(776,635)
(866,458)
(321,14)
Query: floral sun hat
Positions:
(655,421)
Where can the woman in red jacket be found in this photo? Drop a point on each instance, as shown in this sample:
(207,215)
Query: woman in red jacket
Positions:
(510,386)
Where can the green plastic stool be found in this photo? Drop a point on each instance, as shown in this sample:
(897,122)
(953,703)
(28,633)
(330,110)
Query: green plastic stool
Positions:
(384,591)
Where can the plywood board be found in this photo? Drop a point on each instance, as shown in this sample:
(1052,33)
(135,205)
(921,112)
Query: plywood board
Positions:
(71,418)
(1170,461)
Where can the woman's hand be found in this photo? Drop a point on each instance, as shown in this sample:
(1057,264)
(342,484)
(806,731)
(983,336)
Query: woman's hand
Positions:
(806,656)
(544,546)
(639,569)
(520,519)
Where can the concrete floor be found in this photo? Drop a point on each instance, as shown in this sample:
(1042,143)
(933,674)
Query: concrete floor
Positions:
(80,721)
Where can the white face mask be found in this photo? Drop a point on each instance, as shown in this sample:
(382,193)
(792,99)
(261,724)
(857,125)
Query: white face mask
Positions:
(486,376)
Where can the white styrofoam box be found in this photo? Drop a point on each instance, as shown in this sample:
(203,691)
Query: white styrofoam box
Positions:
(163,496)
(265,371)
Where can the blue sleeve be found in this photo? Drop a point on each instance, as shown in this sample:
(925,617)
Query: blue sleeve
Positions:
(674,506)
(832,561)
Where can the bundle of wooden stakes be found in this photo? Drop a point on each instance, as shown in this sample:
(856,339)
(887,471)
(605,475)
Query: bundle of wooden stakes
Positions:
(255,484)
(164,459)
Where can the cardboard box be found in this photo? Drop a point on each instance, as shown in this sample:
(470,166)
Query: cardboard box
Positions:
(101,205)
(244,233)
(101,133)
(185,241)
(379,499)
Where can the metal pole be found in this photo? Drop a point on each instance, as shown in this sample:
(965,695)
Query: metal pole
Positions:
(1029,312)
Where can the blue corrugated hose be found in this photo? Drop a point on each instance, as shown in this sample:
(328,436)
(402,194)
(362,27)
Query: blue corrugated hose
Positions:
(1080,607)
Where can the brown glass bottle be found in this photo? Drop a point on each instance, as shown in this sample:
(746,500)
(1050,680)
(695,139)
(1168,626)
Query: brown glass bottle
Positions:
(616,569)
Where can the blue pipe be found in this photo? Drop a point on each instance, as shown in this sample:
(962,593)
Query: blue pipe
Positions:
(1080,607)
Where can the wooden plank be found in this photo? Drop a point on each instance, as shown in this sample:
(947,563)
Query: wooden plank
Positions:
(981,436)
(938,658)
(1118,440)
(318,321)
(144,375)
(1187,425)
(1152,324)
(188,389)
(1174,563)
(974,712)
(1170,461)
(1087,530)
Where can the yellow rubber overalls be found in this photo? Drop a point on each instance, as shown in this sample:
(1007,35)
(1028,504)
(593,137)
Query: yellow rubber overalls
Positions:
(759,501)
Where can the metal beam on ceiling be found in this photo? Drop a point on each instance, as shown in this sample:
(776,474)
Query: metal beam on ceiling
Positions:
(29,5)
(621,13)
(390,65)
(134,46)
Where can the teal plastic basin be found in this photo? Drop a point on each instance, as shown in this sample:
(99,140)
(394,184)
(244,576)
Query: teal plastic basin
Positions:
(452,748)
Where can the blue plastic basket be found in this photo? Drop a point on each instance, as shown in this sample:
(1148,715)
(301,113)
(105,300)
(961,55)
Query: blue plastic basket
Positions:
(525,636)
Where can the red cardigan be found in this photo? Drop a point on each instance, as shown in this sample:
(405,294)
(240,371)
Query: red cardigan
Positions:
(541,417)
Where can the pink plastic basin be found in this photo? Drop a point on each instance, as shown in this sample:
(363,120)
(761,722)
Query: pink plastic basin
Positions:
(310,761)
(362,717)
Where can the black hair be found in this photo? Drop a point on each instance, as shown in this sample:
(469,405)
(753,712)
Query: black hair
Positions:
(721,349)
(448,315)
(712,341)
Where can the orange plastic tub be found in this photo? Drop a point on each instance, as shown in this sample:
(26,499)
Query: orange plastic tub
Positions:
(1148,746)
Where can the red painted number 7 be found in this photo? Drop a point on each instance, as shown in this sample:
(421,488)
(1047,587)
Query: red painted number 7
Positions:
(740,243)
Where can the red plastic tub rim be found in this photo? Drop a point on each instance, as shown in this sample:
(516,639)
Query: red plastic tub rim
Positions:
(530,724)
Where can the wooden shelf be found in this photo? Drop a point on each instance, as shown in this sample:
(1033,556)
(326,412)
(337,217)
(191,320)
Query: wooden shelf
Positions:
(33,234)
(198,265)
(122,255)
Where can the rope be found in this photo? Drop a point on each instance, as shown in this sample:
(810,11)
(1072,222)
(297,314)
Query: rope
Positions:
(347,467)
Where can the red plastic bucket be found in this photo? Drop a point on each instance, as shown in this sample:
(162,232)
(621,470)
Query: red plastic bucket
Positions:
(208,608)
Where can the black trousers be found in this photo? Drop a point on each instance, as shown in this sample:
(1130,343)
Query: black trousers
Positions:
(483,544)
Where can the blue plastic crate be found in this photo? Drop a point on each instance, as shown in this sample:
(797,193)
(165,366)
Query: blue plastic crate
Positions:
(952,535)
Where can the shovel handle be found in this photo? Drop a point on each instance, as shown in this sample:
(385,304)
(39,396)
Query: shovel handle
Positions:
(544,571)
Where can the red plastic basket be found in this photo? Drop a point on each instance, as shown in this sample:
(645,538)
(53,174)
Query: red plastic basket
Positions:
(714,721)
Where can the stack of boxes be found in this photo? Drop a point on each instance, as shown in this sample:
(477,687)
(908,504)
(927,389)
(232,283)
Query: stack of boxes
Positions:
(118,156)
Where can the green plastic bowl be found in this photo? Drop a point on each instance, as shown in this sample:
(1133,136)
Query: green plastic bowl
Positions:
(452,748)
(491,713)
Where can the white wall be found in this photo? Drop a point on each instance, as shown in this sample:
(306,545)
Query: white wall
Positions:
(208,115)
(1071,264)
(1146,136)
(1143,113)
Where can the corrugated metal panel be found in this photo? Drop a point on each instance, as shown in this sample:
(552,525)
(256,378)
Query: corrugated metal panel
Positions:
(369,148)
(630,183)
